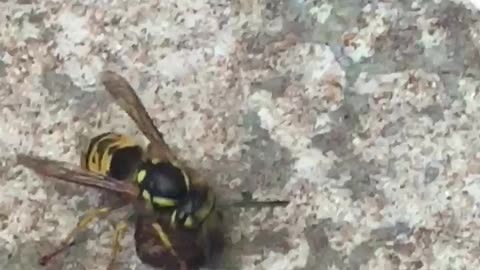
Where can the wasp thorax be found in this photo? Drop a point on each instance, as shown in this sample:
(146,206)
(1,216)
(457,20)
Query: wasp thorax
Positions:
(162,183)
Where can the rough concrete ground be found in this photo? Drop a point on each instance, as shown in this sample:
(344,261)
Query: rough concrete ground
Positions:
(363,113)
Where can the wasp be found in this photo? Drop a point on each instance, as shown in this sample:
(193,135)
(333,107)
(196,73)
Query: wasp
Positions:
(178,220)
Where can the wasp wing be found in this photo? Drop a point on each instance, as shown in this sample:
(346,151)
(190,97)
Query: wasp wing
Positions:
(128,100)
(70,173)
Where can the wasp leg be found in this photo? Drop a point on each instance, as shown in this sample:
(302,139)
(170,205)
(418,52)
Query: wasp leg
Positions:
(70,240)
(120,230)
(164,238)
(166,241)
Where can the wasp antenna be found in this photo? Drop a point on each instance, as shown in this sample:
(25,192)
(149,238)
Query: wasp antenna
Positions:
(257,204)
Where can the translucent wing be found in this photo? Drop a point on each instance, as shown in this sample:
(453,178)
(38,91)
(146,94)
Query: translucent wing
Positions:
(70,173)
(127,99)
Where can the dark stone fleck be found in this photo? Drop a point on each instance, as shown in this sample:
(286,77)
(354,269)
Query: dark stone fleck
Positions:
(256,44)
(265,240)
(178,94)
(392,128)
(47,34)
(24,2)
(275,85)
(431,173)
(26,253)
(391,168)
(3,67)
(394,259)
(58,83)
(382,235)
(270,163)
(358,103)
(4,255)
(272,9)
(264,163)
(404,249)
(276,241)
(345,115)
(417,264)
(251,121)
(360,255)
(63,91)
(37,18)
(322,256)
(435,112)
(363,252)
(361,184)
(337,140)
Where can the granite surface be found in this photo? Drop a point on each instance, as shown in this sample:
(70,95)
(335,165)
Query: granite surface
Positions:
(363,113)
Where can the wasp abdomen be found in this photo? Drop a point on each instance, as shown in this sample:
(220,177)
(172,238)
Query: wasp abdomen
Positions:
(125,162)
(113,154)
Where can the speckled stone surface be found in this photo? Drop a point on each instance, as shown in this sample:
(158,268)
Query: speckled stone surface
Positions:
(365,114)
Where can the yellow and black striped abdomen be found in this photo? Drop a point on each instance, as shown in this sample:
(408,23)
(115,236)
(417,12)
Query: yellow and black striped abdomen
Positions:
(113,154)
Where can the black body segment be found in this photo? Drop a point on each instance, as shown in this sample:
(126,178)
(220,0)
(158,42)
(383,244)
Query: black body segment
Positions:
(125,162)
(164,180)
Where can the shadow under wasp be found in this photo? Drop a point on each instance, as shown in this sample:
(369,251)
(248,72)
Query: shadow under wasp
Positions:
(179,220)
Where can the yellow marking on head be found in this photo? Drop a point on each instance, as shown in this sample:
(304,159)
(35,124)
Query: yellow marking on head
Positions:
(141,176)
(146,195)
(155,161)
(164,237)
(188,222)
(164,202)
